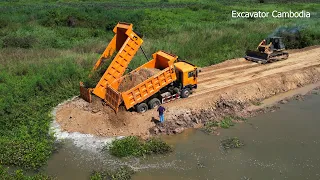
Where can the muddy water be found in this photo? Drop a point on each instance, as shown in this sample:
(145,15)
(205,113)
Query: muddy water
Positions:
(281,145)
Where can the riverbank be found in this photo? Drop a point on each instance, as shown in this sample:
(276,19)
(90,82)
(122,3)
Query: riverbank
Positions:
(236,111)
(279,145)
(231,88)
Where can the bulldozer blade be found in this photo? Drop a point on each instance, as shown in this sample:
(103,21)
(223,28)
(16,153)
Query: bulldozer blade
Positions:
(257,56)
(85,93)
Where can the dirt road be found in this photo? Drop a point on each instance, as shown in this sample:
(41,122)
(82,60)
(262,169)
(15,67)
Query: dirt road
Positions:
(234,80)
(240,71)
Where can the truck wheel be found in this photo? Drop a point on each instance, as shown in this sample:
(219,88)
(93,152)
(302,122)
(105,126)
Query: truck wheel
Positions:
(141,108)
(185,93)
(154,103)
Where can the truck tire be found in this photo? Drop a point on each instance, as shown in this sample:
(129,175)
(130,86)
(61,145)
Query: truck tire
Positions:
(154,103)
(142,107)
(185,93)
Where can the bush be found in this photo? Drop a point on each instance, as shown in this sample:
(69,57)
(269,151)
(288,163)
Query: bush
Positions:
(18,174)
(297,37)
(122,173)
(156,146)
(3,23)
(133,146)
(208,126)
(20,42)
(226,123)
(128,146)
(231,143)
(26,153)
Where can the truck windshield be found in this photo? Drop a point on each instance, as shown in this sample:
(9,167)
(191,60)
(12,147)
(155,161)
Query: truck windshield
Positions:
(190,74)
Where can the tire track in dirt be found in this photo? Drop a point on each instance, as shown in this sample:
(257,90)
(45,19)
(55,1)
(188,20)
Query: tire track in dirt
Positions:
(236,80)
(237,73)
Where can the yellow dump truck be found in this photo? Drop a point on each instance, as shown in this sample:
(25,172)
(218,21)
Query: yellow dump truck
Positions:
(126,42)
(174,79)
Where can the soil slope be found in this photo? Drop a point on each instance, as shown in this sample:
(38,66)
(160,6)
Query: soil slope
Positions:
(224,89)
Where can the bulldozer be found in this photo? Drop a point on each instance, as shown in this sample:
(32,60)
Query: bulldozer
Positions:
(269,50)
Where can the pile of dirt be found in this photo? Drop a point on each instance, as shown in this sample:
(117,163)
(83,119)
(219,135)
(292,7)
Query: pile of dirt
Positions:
(136,78)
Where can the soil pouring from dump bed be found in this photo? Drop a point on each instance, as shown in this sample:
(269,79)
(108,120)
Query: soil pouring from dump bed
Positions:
(136,78)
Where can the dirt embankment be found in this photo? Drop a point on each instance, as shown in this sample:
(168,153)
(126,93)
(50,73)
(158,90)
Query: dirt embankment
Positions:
(225,89)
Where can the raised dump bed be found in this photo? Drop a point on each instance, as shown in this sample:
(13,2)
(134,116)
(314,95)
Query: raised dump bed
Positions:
(126,42)
(162,72)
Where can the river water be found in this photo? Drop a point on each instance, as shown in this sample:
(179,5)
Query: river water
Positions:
(280,145)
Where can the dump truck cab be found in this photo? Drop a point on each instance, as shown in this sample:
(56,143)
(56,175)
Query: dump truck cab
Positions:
(187,74)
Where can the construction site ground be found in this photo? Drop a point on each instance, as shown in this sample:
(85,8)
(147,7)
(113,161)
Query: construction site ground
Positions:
(229,87)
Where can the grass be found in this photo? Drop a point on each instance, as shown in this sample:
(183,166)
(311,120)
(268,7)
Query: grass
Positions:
(122,173)
(46,48)
(226,122)
(133,146)
(231,143)
(32,83)
(19,175)
(209,126)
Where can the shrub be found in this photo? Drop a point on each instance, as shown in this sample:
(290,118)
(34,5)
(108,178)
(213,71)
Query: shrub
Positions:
(226,123)
(156,146)
(18,174)
(232,143)
(128,146)
(122,173)
(208,126)
(133,146)
(3,23)
(20,42)
(26,153)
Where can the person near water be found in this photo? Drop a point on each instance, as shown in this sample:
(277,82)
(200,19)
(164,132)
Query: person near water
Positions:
(161,113)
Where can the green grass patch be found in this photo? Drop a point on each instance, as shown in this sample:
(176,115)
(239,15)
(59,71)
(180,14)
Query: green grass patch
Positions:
(209,126)
(32,83)
(122,173)
(134,146)
(231,143)
(226,123)
(19,175)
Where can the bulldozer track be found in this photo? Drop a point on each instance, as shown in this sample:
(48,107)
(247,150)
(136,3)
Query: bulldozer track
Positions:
(241,71)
